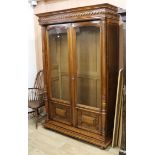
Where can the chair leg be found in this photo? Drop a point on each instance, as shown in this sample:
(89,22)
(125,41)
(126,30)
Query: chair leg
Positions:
(36,117)
(38,111)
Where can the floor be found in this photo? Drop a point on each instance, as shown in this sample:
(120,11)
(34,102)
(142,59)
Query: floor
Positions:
(46,142)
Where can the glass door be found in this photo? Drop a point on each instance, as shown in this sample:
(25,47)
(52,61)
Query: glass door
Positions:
(88,64)
(59,66)
(88,76)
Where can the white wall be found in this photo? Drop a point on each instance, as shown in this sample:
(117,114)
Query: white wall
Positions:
(31,49)
(54,5)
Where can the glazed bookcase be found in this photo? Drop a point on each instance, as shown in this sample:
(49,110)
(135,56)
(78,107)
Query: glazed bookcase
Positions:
(80,63)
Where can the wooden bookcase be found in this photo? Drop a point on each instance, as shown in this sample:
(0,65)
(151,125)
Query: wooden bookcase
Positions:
(80,60)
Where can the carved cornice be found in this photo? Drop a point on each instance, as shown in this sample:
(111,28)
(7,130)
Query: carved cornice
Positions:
(79,14)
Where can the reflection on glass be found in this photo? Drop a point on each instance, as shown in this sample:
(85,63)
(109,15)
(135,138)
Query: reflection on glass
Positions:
(58,48)
(88,66)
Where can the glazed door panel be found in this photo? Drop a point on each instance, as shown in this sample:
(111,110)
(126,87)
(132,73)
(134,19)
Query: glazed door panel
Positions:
(88,65)
(59,62)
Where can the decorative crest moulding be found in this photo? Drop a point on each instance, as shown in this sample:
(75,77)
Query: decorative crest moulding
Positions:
(100,11)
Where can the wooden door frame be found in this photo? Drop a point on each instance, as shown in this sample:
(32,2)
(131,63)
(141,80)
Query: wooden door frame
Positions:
(48,75)
(95,23)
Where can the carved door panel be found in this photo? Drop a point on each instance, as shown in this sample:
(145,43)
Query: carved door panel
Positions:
(88,120)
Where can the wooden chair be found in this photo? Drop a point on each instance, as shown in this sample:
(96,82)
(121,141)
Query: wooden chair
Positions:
(36,95)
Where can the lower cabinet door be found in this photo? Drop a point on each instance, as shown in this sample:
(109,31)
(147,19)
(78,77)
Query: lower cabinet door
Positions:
(90,121)
(60,112)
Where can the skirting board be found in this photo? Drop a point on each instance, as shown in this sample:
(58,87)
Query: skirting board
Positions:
(78,133)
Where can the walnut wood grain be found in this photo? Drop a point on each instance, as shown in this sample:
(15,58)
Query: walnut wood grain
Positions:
(88,119)
(60,112)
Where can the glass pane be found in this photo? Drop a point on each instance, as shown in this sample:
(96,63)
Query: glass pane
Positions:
(58,48)
(88,66)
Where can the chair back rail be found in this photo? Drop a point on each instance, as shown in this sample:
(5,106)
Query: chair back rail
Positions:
(39,81)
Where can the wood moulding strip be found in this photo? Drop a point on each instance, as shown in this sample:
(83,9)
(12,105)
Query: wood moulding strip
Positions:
(78,14)
(77,133)
(104,5)
(74,129)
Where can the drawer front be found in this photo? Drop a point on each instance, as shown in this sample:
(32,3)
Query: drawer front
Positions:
(89,121)
(61,112)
